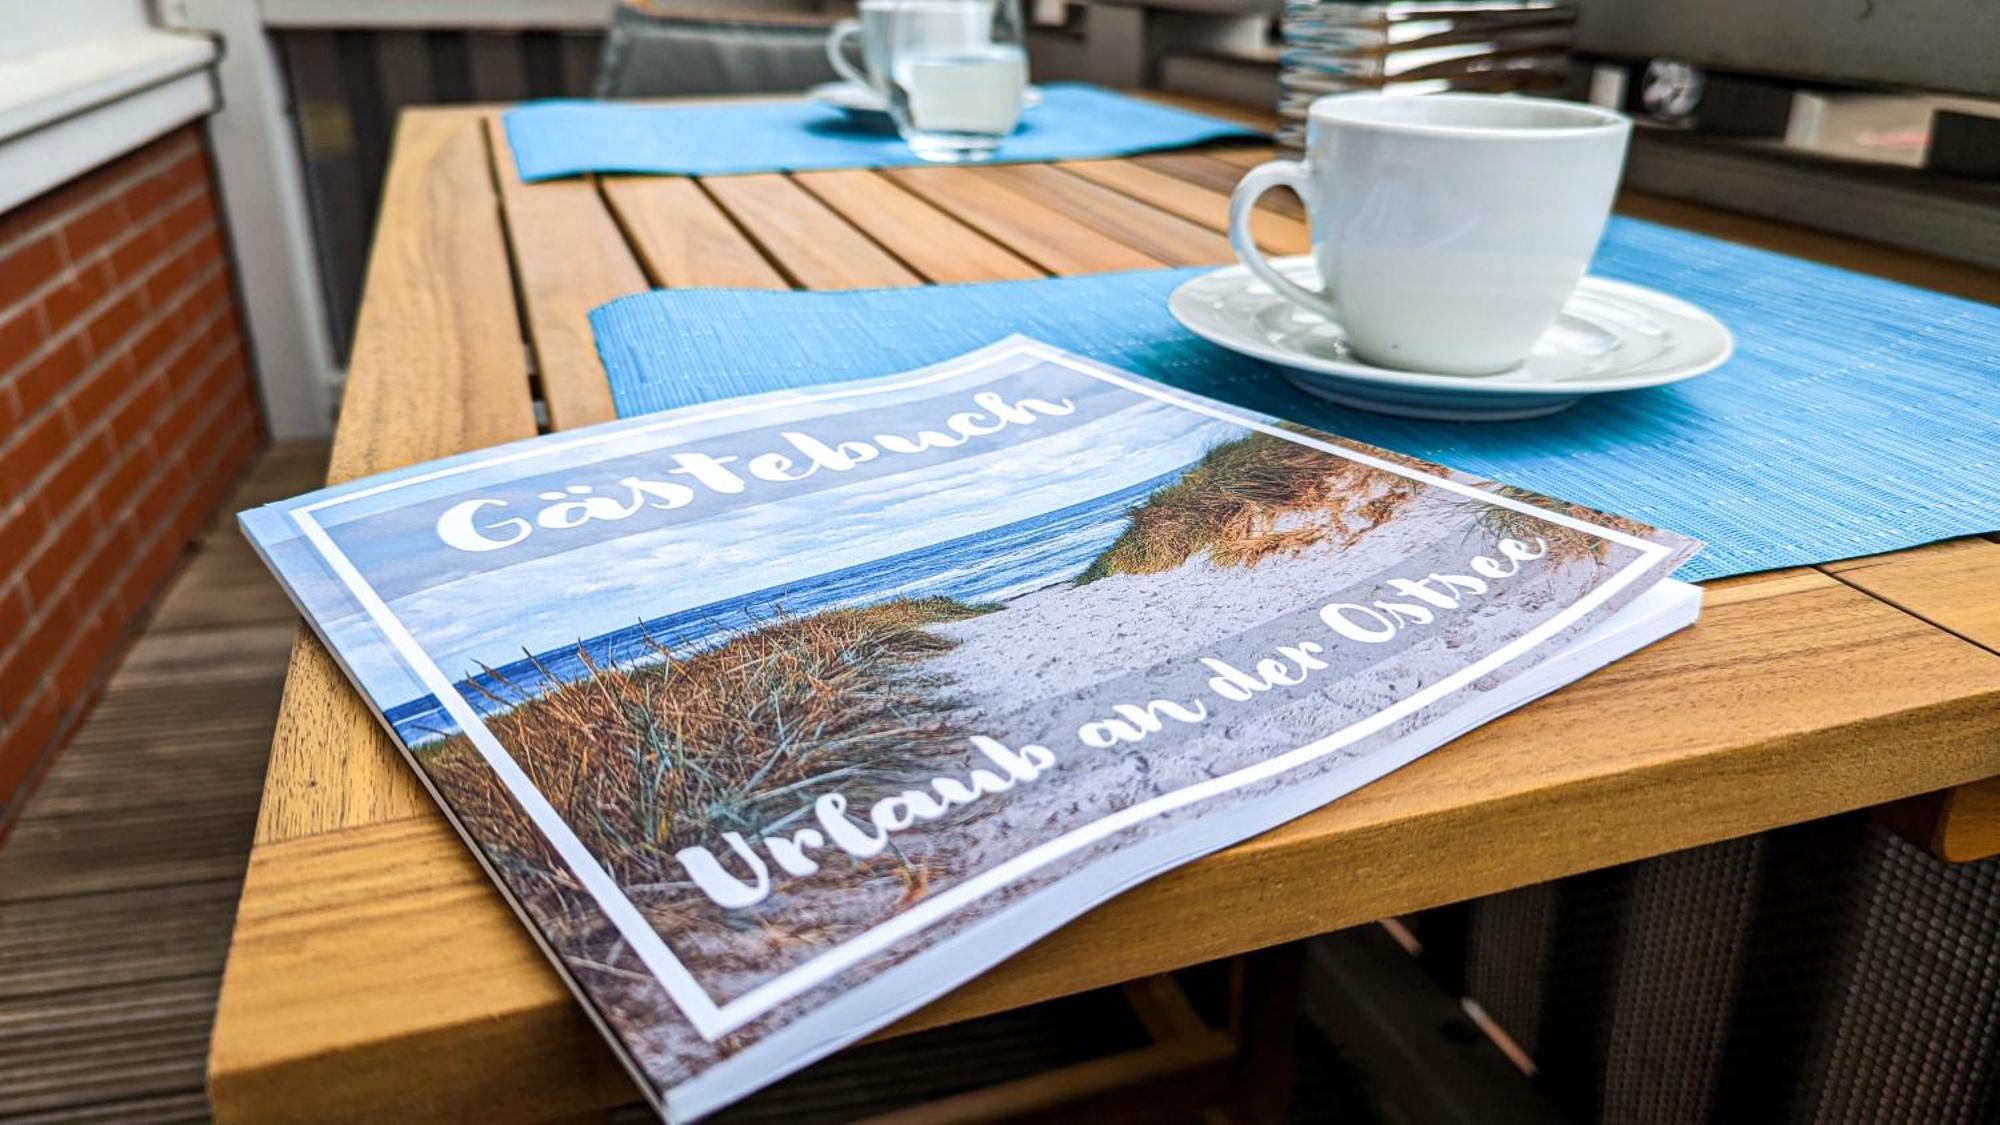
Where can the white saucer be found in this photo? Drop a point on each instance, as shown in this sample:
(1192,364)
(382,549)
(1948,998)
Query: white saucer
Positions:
(1609,337)
(867,106)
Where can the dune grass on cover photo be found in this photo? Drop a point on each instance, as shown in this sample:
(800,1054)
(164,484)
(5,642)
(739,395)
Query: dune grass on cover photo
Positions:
(646,760)
(1249,499)
(1564,543)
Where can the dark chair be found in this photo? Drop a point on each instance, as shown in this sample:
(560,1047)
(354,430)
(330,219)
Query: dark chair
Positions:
(661,48)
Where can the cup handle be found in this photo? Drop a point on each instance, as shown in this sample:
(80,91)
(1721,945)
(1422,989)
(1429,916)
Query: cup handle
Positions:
(836,51)
(1276,173)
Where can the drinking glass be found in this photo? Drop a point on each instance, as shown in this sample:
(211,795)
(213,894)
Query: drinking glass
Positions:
(957,72)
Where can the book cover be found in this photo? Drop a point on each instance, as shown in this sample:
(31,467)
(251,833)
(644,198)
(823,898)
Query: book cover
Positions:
(775,718)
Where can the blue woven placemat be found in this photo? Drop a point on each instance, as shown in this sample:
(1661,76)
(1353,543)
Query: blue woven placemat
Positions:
(1857,416)
(551,139)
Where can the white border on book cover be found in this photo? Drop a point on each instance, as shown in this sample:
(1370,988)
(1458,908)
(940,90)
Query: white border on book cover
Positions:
(714,1020)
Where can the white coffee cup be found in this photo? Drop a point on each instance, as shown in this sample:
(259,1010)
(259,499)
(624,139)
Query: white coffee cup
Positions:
(1448,228)
(940,25)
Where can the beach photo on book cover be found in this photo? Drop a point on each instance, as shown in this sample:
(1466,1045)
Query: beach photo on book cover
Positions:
(817,685)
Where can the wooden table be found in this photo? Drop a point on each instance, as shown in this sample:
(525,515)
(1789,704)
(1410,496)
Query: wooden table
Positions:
(376,975)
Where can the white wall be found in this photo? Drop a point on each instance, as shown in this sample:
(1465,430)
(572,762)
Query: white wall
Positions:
(37,25)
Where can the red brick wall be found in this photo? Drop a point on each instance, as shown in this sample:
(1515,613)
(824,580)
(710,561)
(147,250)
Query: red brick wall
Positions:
(126,411)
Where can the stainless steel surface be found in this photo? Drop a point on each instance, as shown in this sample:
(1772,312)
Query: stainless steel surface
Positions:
(1417,47)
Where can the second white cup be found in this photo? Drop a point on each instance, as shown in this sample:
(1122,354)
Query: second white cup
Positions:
(1448,228)
(935,24)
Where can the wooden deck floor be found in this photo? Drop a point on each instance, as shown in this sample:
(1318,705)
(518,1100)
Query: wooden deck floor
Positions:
(119,880)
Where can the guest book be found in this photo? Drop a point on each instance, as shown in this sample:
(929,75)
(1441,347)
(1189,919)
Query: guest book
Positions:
(775,718)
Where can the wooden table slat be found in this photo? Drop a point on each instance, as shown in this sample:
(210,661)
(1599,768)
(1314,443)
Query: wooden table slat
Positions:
(1949,585)
(437,366)
(569,257)
(808,240)
(1243,156)
(1276,233)
(1944,583)
(683,238)
(1216,175)
(1160,235)
(1047,237)
(930,241)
